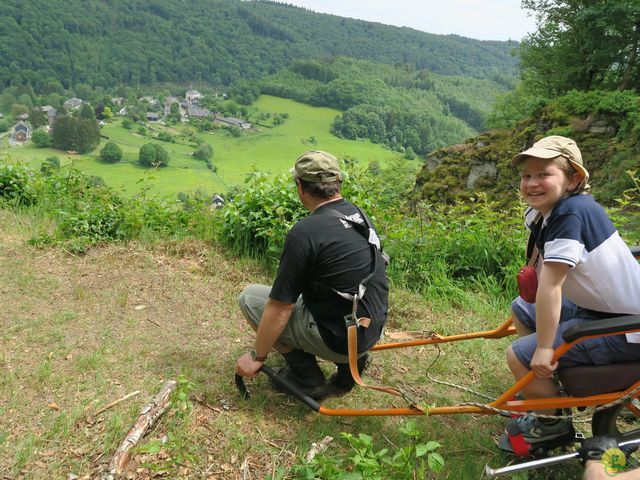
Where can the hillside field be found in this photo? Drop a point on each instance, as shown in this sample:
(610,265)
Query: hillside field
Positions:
(271,150)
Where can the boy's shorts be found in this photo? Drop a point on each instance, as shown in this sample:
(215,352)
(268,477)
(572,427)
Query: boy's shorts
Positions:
(595,351)
(301,332)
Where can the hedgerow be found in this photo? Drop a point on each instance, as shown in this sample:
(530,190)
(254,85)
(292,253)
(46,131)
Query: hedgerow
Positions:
(87,212)
(441,251)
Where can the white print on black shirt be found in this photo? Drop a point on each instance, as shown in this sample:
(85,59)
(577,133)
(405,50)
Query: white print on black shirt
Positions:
(354,218)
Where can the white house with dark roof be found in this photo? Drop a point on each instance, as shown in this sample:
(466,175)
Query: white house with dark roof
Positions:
(21,132)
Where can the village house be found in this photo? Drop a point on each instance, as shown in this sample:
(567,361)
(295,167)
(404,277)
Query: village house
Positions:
(153,103)
(117,101)
(234,122)
(73,103)
(152,116)
(21,132)
(24,117)
(197,112)
(50,113)
(193,96)
(217,201)
(170,101)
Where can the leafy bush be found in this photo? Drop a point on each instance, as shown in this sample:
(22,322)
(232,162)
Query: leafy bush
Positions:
(153,155)
(204,152)
(49,165)
(111,153)
(166,137)
(87,212)
(17,185)
(362,461)
(445,247)
(41,139)
(599,101)
(260,217)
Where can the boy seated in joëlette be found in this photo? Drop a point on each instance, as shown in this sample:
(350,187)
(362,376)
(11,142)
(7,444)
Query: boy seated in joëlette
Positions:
(585,272)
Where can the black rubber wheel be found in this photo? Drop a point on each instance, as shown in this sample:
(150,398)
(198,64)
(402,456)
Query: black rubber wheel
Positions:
(613,422)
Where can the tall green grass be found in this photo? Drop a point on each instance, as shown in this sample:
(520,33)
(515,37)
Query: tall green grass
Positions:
(84,211)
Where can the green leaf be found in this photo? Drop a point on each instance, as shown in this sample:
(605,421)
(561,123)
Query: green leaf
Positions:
(435,462)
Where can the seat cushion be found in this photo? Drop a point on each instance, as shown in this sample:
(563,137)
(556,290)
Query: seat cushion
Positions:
(595,379)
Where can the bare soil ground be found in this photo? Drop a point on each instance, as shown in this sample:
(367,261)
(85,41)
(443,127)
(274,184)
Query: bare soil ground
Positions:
(77,333)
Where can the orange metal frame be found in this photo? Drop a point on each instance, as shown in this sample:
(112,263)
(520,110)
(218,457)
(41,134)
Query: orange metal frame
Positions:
(504,401)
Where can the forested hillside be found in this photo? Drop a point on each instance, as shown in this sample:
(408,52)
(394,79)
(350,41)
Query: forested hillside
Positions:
(403,108)
(132,42)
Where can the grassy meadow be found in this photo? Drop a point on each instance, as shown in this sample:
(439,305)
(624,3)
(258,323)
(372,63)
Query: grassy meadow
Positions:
(269,150)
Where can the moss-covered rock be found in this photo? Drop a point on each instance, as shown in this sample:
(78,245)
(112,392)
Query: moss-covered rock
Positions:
(483,163)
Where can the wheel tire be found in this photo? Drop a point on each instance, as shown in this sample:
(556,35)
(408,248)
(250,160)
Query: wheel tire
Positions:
(607,422)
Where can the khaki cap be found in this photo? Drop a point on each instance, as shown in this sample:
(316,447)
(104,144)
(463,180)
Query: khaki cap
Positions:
(552,147)
(317,166)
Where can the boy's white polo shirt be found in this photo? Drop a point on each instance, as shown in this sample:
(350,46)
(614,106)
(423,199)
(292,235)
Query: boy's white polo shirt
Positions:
(605,276)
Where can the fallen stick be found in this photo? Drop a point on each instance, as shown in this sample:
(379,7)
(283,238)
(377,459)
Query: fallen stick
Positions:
(317,448)
(113,404)
(147,418)
(245,469)
(154,322)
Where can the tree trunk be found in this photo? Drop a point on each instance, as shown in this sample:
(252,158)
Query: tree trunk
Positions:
(632,59)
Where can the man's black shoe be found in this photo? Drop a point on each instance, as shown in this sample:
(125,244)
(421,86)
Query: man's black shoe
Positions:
(311,385)
(303,371)
(342,381)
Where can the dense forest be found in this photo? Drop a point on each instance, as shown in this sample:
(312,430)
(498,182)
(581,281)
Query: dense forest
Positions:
(55,44)
(401,107)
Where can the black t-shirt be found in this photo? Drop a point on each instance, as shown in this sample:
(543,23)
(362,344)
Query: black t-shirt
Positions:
(323,249)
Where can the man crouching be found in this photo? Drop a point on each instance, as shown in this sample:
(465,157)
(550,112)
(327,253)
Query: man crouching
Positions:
(325,256)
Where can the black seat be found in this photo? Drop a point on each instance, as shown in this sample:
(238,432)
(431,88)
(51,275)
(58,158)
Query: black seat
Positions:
(588,380)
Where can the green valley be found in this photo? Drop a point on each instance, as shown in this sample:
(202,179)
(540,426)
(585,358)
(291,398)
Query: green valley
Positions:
(271,150)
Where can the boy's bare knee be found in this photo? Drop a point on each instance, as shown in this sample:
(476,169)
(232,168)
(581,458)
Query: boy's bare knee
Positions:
(514,364)
(521,328)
